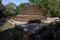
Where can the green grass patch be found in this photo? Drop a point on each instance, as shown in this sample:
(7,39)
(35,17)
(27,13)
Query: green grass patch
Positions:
(6,25)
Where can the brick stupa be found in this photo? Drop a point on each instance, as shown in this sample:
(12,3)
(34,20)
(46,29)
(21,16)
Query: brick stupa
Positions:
(30,12)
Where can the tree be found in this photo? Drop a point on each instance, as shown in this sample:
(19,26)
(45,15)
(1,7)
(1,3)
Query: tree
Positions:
(10,9)
(2,13)
(2,9)
(49,7)
(0,1)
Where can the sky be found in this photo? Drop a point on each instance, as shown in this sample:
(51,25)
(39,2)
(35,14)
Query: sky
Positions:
(17,2)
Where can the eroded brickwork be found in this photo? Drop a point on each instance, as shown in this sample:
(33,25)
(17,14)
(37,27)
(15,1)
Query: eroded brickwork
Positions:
(30,12)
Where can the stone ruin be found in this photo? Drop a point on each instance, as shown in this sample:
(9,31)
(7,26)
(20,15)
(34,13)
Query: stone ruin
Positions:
(30,12)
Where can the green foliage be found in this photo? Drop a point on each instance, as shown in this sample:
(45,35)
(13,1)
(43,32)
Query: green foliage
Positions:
(51,8)
(10,9)
(2,9)
(6,25)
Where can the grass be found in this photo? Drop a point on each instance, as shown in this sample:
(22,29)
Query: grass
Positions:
(6,25)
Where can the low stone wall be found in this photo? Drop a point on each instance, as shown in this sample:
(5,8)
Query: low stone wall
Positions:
(35,32)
